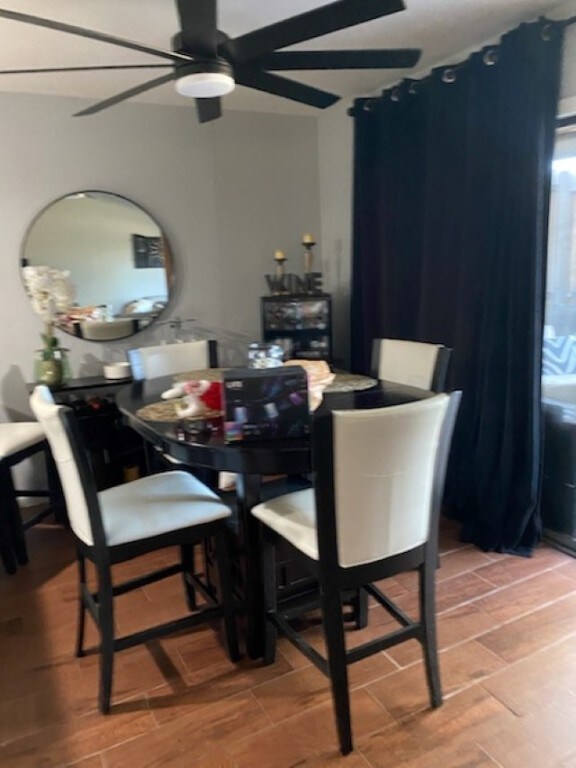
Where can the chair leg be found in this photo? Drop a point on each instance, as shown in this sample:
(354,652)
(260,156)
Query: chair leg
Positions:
(6,553)
(270,587)
(106,626)
(57,502)
(336,648)
(188,569)
(13,517)
(227,594)
(81,606)
(429,642)
(152,459)
(360,608)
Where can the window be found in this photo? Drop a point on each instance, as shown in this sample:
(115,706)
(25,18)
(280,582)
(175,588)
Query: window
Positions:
(558,505)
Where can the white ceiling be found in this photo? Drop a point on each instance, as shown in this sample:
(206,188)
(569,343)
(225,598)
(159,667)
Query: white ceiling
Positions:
(443,29)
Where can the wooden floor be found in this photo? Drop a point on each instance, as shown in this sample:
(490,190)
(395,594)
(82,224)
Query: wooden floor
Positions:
(507,629)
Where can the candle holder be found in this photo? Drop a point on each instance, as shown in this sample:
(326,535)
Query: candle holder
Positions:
(308,242)
(279,258)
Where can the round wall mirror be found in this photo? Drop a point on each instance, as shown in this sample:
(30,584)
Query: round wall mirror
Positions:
(117,259)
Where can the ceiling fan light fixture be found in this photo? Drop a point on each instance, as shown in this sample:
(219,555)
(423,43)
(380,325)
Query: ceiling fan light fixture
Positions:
(205,85)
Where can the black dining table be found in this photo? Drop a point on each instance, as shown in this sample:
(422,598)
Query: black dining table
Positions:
(201,443)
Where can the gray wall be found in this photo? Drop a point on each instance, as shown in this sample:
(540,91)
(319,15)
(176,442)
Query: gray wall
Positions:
(335,164)
(227,194)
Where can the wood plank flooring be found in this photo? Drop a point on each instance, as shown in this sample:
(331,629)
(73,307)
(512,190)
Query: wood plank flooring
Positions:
(507,631)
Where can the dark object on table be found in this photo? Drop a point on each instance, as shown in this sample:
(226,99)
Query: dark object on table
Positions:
(266,404)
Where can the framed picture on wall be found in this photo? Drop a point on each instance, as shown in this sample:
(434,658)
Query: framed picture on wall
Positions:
(148,252)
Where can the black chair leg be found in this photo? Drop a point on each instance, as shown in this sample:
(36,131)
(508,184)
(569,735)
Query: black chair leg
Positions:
(81,606)
(106,626)
(6,552)
(430,646)
(336,649)
(270,588)
(360,608)
(13,516)
(227,594)
(188,569)
(57,503)
(152,459)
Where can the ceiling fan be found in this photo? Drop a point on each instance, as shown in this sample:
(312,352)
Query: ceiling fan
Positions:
(206,64)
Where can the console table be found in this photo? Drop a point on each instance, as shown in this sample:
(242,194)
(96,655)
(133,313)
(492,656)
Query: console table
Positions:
(116,451)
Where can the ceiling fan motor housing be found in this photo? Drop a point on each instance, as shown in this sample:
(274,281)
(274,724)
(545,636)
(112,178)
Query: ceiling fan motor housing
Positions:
(203,78)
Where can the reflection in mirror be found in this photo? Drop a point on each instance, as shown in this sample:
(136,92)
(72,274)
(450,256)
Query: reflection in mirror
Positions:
(117,256)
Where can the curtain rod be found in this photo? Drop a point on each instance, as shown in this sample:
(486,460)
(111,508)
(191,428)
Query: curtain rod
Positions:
(364,103)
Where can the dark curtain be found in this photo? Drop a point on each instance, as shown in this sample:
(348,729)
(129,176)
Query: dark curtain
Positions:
(451,192)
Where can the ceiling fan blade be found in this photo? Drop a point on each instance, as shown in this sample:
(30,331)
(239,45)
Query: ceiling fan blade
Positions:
(100,105)
(281,86)
(208,109)
(315,23)
(393,58)
(92,35)
(82,69)
(198,24)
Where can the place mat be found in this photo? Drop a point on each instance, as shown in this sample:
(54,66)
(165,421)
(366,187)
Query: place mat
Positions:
(350,382)
(165,410)
(208,374)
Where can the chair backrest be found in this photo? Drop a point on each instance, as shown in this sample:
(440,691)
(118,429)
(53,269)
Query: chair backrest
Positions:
(166,359)
(376,478)
(72,464)
(415,363)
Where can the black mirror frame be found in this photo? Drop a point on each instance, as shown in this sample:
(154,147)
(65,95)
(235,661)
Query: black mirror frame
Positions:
(136,325)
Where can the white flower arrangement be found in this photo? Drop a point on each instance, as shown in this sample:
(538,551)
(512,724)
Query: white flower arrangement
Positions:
(51,293)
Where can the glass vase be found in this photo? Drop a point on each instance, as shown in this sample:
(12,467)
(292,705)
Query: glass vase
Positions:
(51,367)
(264,355)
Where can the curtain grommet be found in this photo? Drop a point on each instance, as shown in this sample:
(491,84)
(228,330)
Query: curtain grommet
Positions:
(490,57)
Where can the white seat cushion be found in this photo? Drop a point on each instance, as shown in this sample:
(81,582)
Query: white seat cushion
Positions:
(15,436)
(292,516)
(157,504)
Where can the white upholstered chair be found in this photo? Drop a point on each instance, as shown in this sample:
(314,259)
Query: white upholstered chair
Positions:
(373,512)
(20,441)
(415,363)
(123,522)
(167,359)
